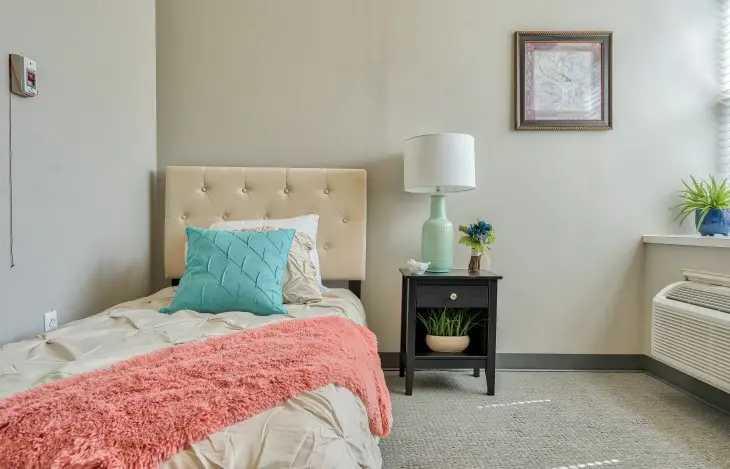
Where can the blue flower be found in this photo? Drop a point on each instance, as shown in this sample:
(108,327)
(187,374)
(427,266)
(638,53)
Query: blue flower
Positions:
(479,231)
(479,235)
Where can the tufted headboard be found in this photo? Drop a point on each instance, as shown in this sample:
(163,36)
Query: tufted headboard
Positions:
(200,196)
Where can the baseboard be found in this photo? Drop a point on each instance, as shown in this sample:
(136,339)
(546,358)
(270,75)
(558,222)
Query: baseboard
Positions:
(684,382)
(388,360)
(548,361)
(578,362)
(560,361)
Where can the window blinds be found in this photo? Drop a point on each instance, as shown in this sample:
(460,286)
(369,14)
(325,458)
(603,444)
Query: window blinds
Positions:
(723,104)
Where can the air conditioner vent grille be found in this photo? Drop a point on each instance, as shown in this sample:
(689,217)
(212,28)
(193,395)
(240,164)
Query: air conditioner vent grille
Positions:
(716,298)
(696,345)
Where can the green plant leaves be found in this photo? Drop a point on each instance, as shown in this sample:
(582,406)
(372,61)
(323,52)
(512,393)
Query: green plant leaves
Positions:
(449,322)
(703,195)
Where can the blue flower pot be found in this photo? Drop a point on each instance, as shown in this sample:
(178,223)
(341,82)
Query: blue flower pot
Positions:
(717,221)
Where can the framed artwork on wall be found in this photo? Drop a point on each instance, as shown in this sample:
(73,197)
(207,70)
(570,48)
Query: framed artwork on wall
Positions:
(563,80)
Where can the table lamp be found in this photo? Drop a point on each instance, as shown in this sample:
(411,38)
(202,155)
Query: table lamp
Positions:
(436,164)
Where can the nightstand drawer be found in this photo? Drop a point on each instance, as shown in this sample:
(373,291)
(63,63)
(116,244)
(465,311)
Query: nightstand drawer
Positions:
(439,296)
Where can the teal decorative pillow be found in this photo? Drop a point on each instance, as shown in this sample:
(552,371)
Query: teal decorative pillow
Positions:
(233,271)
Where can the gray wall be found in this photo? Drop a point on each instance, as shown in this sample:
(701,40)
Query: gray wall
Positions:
(342,82)
(84,153)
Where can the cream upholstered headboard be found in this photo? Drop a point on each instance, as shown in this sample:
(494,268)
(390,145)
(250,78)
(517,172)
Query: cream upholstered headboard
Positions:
(202,195)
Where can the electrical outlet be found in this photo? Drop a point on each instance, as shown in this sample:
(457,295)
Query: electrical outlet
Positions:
(50,321)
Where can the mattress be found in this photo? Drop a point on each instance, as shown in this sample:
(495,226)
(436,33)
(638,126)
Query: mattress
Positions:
(324,428)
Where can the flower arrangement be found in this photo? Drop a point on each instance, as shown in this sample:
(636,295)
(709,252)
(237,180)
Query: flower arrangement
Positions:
(478,236)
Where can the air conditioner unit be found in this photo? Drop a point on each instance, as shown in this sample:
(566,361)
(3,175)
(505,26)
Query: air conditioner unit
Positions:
(690,327)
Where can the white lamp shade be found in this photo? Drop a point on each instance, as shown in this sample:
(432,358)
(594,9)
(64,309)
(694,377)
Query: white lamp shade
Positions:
(439,162)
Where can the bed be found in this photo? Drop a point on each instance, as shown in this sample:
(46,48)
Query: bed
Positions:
(327,427)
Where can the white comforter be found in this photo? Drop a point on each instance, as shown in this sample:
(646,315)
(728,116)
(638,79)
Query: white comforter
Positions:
(325,428)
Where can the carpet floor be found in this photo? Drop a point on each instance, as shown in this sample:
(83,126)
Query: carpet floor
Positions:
(549,420)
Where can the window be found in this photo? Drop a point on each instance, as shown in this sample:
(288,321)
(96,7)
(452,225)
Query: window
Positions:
(723,105)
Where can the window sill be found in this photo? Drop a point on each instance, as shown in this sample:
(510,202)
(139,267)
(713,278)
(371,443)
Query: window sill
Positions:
(689,240)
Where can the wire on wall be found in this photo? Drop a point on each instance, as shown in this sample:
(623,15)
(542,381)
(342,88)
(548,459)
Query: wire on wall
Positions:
(25,88)
(10,172)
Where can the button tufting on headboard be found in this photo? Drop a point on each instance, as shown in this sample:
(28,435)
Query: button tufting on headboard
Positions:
(337,195)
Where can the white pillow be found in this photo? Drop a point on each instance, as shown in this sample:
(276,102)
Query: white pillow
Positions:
(307,224)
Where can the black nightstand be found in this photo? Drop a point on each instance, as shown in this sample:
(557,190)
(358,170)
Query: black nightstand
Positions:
(455,289)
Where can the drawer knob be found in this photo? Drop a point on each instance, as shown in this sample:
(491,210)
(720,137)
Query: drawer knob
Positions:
(452,296)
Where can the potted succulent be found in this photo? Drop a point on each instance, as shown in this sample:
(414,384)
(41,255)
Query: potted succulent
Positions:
(478,236)
(709,201)
(447,329)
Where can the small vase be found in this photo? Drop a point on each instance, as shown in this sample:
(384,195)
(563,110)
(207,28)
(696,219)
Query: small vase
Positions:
(475,262)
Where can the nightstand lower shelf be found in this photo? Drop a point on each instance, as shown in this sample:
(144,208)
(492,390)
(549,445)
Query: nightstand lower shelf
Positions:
(447,361)
(456,361)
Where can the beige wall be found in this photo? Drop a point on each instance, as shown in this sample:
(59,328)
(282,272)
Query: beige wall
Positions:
(664,265)
(84,151)
(342,82)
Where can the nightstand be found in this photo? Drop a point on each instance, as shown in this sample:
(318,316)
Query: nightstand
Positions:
(458,288)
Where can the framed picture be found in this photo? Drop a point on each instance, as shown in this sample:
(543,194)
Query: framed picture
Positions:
(563,80)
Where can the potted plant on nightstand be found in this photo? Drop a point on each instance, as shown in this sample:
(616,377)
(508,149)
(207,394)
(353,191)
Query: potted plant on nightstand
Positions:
(447,329)
(709,201)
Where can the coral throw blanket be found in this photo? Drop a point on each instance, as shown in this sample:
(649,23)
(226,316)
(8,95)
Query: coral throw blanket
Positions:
(140,412)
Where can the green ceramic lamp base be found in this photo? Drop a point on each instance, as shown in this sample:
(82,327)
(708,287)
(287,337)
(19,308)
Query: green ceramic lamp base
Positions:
(437,237)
